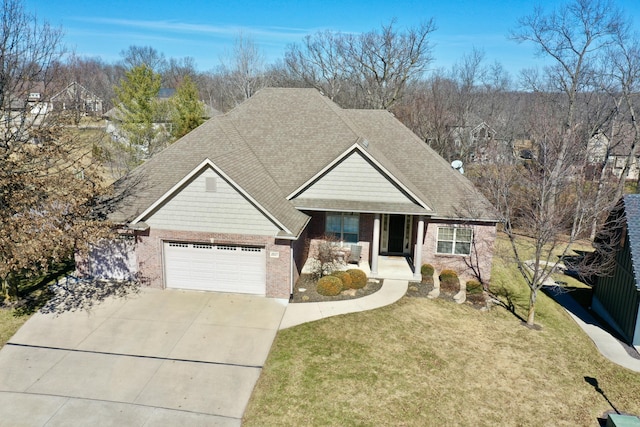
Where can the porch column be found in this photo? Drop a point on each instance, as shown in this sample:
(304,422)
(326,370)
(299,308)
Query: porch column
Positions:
(375,245)
(417,256)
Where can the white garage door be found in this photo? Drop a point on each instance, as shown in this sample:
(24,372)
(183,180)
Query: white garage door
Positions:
(209,267)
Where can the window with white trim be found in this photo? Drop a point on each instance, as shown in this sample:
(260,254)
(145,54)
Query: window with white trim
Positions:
(343,226)
(454,240)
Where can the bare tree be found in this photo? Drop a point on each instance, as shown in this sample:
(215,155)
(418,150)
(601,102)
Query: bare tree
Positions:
(135,56)
(545,198)
(572,37)
(244,71)
(48,183)
(624,59)
(369,70)
(177,70)
(320,62)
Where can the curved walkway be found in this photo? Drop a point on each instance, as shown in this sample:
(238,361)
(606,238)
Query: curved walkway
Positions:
(609,346)
(296,314)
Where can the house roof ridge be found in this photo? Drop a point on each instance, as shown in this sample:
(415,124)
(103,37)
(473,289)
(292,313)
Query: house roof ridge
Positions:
(252,151)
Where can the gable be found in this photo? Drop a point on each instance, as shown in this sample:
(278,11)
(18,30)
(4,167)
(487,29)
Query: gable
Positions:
(208,203)
(355,179)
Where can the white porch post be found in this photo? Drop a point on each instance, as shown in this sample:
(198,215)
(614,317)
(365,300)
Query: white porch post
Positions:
(375,245)
(417,256)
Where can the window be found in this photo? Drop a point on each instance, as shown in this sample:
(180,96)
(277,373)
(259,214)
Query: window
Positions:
(452,240)
(344,226)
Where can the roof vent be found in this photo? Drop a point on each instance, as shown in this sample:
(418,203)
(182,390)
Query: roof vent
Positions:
(457,165)
(365,143)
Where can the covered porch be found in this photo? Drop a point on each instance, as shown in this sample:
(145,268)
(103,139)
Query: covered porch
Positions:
(391,267)
(391,241)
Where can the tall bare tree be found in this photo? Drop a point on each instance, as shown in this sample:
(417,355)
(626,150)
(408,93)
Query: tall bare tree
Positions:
(546,198)
(244,71)
(48,184)
(572,37)
(135,56)
(369,70)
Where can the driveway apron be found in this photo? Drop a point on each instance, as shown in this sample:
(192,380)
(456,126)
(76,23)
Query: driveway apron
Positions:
(162,357)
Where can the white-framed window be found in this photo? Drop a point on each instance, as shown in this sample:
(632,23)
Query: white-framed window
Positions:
(454,240)
(343,226)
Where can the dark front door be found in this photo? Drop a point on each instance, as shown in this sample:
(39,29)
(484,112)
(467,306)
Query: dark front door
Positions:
(396,233)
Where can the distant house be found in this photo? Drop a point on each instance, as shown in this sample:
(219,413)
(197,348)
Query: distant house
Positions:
(599,150)
(77,98)
(616,294)
(162,123)
(473,139)
(27,102)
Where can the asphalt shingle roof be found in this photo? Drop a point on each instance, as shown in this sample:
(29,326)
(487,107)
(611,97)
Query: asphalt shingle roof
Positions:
(632,215)
(279,139)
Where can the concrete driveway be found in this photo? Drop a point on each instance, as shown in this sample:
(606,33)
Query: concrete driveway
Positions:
(163,357)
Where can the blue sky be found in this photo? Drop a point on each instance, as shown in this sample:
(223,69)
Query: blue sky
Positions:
(205,30)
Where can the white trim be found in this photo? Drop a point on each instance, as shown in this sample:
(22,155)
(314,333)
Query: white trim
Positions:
(194,172)
(348,209)
(356,147)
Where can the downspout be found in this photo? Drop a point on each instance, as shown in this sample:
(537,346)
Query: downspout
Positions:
(291,272)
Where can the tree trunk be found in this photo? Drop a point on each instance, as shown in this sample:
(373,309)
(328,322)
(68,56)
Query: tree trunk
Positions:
(532,307)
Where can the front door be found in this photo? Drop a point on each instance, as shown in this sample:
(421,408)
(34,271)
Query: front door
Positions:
(396,233)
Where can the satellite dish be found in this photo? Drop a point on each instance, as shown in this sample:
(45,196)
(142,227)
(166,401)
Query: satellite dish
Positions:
(457,165)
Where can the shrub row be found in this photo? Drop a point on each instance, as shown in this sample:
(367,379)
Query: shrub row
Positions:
(340,280)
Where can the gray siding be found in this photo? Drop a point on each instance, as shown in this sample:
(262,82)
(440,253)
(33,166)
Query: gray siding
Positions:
(221,211)
(355,179)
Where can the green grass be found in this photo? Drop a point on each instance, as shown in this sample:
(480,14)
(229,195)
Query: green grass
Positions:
(431,362)
(32,294)
(10,321)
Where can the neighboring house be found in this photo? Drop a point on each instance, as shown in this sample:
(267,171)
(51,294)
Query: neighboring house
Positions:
(599,150)
(77,98)
(113,117)
(616,295)
(232,205)
(28,103)
(476,139)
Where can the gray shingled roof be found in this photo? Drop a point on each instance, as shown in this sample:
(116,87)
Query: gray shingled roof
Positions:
(278,140)
(632,215)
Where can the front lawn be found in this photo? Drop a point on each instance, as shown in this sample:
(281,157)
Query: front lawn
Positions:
(33,293)
(432,362)
(10,321)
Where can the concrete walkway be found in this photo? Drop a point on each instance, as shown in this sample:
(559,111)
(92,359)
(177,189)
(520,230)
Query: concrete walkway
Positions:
(396,273)
(297,314)
(609,346)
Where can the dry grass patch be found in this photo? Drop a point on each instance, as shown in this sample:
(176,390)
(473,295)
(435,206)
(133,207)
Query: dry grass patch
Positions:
(10,321)
(429,362)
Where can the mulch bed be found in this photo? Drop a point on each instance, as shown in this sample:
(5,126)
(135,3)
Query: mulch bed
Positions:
(309,294)
(422,289)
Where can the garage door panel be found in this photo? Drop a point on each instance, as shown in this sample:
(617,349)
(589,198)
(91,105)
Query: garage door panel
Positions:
(211,267)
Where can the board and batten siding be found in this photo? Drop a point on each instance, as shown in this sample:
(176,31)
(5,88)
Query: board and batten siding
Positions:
(620,296)
(222,209)
(355,179)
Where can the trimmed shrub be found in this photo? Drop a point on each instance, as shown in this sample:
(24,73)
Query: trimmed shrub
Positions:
(474,287)
(449,281)
(329,286)
(358,278)
(427,270)
(347,282)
